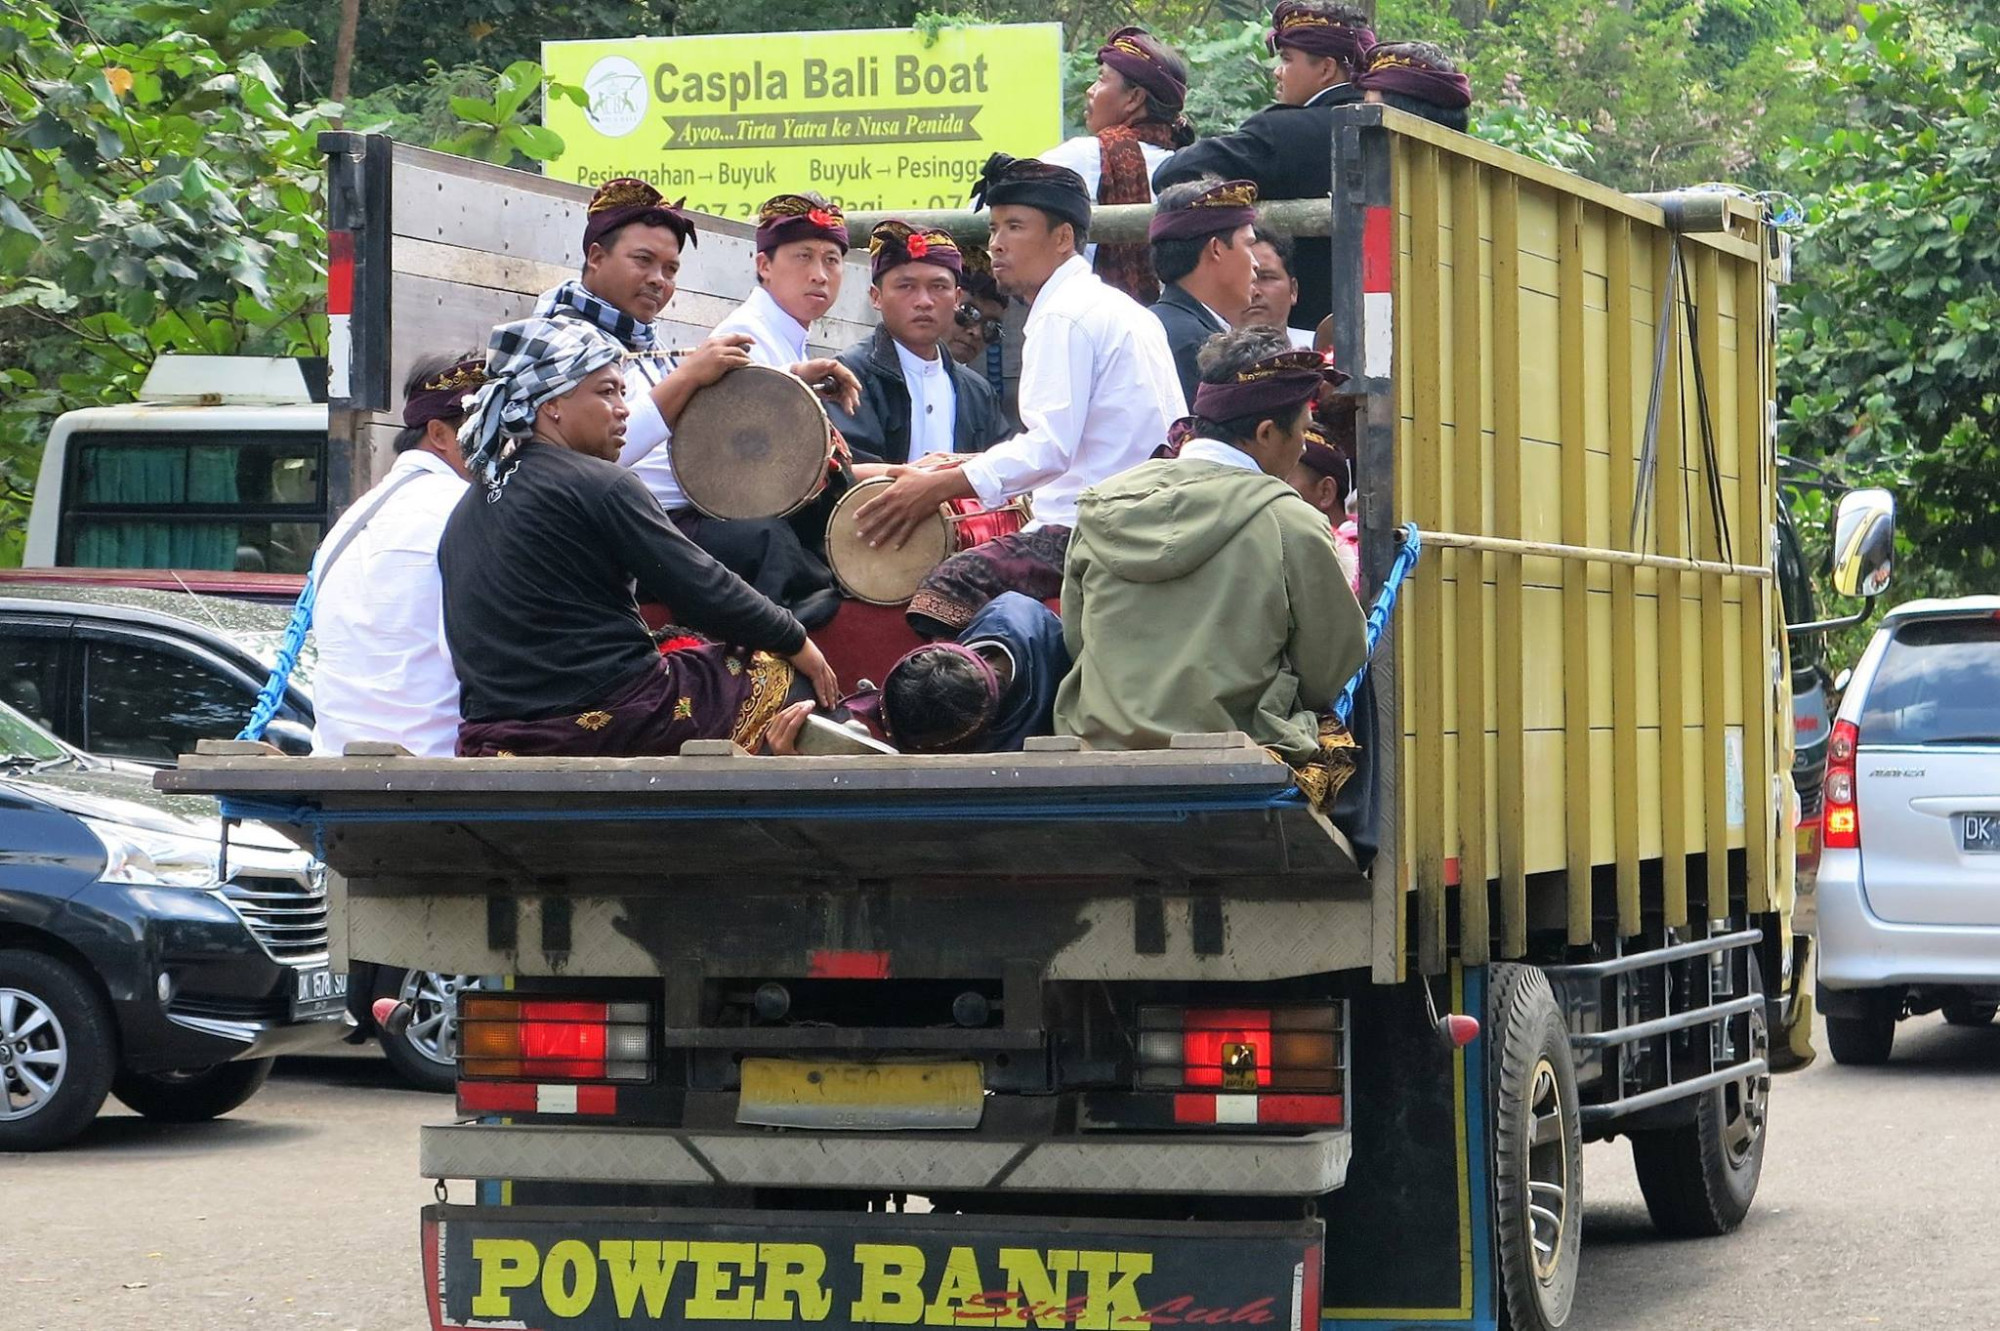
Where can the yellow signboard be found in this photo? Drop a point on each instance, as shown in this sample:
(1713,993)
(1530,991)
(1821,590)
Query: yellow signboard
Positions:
(875,120)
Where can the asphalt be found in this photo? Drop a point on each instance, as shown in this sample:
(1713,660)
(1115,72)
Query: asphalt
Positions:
(300,1210)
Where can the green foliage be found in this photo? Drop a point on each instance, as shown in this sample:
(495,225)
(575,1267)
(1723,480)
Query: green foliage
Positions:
(156,193)
(475,112)
(1537,133)
(1889,359)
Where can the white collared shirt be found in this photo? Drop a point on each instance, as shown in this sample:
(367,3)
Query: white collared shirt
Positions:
(1085,156)
(1214,450)
(384,672)
(1302,338)
(933,400)
(648,448)
(776,338)
(1325,92)
(1098,391)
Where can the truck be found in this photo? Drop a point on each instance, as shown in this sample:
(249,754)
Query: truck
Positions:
(1065,1038)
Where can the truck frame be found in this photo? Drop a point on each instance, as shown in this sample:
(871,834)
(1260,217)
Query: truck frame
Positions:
(1069,1038)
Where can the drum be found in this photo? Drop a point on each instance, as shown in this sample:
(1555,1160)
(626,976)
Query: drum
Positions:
(881,575)
(754,444)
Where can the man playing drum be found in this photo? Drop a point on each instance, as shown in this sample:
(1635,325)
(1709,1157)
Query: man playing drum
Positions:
(915,400)
(1098,391)
(632,244)
(539,560)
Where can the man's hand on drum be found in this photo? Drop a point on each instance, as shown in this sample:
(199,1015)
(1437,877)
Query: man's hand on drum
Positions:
(781,732)
(716,357)
(809,662)
(892,516)
(845,388)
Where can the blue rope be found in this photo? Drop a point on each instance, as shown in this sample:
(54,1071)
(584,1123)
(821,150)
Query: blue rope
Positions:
(272,697)
(1378,616)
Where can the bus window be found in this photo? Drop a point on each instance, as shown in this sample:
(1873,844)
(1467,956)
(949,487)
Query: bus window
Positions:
(253,501)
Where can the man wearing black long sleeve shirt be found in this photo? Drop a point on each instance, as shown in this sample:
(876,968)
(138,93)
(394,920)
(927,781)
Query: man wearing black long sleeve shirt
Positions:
(539,562)
(1287,149)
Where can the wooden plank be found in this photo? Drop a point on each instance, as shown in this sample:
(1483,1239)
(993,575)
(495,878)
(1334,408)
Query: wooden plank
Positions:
(1468,472)
(1510,759)
(1624,597)
(1761,635)
(1670,538)
(1576,586)
(1426,597)
(1715,747)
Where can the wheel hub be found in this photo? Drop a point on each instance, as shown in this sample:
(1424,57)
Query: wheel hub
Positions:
(1745,1102)
(433,1001)
(1548,1171)
(34,1054)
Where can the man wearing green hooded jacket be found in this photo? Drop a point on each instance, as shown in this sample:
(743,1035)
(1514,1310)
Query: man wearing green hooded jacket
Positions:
(1202,594)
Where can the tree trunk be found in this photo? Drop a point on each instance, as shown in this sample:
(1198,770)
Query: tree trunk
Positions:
(343,49)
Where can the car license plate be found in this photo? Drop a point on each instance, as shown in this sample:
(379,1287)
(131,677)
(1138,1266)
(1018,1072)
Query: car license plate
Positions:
(783,1093)
(1980,832)
(320,991)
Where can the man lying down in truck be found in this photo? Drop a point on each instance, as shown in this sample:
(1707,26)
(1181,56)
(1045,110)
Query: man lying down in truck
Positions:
(539,559)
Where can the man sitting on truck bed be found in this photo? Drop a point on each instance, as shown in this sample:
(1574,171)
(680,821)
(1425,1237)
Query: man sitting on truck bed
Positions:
(539,559)
(1203,594)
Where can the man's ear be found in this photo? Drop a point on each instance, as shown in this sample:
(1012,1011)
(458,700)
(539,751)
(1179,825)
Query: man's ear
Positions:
(875,297)
(763,267)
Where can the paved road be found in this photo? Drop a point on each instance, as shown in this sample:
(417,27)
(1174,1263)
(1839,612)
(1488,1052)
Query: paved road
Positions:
(300,1211)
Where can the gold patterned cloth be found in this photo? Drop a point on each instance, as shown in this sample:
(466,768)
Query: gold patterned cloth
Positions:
(1322,777)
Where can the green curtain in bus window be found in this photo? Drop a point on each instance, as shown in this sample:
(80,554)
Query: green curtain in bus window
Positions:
(152,474)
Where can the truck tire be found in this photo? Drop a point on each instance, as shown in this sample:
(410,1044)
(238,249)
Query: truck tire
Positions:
(1965,1012)
(60,1049)
(425,1055)
(1864,1041)
(1700,1178)
(193,1096)
(1537,1150)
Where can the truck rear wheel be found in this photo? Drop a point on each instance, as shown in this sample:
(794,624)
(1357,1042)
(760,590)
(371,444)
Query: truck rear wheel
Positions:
(1537,1151)
(1700,1178)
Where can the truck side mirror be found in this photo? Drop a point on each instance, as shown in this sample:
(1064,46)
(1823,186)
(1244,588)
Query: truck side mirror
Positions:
(1864,542)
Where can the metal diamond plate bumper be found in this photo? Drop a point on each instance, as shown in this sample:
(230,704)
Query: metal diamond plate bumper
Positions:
(1242,1166)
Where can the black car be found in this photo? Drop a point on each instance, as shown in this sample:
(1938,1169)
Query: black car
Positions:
(142,674)
(134,961)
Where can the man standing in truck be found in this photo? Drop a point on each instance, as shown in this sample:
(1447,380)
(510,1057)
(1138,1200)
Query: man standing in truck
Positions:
(1201,237)
(1203,595)
(1097,394)
(632,243)
(1287,149)
(539,560)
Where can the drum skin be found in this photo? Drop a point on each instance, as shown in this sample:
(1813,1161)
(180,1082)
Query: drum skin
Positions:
(753,444)
(881,575)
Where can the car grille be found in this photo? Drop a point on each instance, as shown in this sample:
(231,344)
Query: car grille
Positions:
(288,915)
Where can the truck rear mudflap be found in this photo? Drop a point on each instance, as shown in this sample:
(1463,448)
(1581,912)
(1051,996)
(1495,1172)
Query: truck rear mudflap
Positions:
(533,1269)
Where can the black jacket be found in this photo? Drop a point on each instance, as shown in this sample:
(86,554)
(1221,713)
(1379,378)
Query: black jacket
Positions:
(1188,324)
(1288,151)
(879,429)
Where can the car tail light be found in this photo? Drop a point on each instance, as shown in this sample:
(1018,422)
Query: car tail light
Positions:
(1245,1065)
(1843,814)
(556,1040)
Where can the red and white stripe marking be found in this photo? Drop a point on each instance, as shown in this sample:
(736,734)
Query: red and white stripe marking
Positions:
(339,314)
(1247,1109)
(510,1097)
(1378,310)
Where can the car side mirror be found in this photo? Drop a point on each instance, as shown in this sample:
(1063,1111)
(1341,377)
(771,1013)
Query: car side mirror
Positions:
(291,736)
(1864,542)
(1840,681)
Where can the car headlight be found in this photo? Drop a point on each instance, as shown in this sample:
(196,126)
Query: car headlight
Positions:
(156,859)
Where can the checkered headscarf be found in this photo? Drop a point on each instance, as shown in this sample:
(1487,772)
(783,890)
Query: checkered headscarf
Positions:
(528,362)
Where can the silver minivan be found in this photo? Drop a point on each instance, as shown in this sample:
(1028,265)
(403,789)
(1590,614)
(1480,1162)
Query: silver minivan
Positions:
(1909,882)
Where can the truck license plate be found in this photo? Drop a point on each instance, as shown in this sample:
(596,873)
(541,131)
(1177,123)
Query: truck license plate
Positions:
(600,1268)
(783,1093)
(320,991)
(1980,832)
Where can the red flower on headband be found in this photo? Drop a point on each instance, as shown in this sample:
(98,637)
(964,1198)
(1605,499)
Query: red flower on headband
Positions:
(821,217)
(919,247)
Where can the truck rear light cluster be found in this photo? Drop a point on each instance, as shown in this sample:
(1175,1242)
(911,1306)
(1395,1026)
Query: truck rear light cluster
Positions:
(503,1038)
(1270,1065)
(1843,814)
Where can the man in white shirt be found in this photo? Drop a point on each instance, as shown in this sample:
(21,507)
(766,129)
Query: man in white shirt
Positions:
(801,259)
(1098,391)
(384,673)
(1201,234)
(1132,123)
(632,243)
(916,400)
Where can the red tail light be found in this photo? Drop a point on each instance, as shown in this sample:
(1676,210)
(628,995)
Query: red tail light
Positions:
(506,1038)
(1843,814)
(1245,1066)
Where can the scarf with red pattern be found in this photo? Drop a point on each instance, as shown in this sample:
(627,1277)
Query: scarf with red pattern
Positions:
(1125,179)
